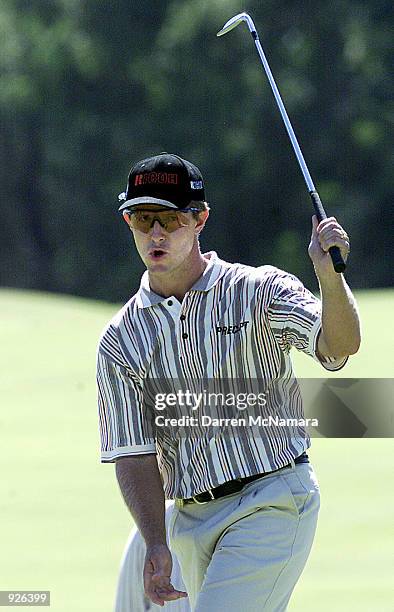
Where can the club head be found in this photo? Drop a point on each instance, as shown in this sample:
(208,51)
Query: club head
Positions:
(236,20)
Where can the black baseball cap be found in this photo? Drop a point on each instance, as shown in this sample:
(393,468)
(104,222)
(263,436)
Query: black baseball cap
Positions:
(165,179)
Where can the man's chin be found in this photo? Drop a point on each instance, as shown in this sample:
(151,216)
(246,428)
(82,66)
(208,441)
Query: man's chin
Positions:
(157,266)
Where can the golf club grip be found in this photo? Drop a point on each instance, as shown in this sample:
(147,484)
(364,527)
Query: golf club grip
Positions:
(337,260)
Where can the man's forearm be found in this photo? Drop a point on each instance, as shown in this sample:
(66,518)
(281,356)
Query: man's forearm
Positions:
(340,335)
(340,320)
(141,486)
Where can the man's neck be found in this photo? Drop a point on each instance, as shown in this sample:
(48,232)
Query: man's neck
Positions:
(181,280)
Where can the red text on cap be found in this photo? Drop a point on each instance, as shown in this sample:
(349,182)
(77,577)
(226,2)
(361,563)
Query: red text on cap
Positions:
(152,178)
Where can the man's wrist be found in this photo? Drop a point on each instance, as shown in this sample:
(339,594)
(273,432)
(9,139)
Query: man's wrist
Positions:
(155,539)
(155,545)
(331,281)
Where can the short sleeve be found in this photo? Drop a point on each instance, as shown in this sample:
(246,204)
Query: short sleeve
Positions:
(295,318)
(126,423)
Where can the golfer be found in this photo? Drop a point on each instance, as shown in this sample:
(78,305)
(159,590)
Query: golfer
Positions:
(246,500)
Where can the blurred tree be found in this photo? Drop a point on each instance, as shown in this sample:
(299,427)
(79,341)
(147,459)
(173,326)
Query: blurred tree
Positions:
(87,88)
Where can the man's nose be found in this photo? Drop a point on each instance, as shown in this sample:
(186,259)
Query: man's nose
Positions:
(157,231)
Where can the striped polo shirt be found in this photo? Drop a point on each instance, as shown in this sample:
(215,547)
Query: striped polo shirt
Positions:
(237,322)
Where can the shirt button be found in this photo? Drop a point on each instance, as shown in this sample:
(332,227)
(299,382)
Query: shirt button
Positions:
(182,317)
(170,302)
(184,336)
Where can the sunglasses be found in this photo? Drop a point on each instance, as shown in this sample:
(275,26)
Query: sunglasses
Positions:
(170,220)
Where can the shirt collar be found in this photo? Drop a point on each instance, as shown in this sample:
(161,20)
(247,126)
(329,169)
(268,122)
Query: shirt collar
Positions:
(215,269)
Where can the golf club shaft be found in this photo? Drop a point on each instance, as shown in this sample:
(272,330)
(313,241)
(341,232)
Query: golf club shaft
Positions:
(285,117)
(337,260)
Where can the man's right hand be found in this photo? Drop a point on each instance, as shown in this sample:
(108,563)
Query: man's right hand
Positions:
(157,575)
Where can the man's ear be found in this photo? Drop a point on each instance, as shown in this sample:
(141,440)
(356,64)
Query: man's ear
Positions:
(202,219)
(126,217)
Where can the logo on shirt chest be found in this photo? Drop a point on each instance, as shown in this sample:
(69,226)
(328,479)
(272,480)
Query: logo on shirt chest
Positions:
(226,330)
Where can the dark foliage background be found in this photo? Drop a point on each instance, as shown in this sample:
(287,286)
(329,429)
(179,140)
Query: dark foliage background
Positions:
(87,88)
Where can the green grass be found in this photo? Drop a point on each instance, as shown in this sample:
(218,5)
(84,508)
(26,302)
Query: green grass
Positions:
(63,523)
(374,359)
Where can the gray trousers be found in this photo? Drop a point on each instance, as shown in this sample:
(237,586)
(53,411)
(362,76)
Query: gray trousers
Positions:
(246,551)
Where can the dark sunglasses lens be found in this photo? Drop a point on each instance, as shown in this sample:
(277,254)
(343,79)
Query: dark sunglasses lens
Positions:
(143,221)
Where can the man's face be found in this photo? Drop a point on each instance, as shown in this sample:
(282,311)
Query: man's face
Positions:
(163,251)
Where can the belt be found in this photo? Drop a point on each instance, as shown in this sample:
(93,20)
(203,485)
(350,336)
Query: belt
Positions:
(234,486)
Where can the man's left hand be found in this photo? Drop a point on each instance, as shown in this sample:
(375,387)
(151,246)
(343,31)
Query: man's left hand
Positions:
(326,234)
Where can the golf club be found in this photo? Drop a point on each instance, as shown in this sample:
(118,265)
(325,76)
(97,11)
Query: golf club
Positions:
(337,260)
